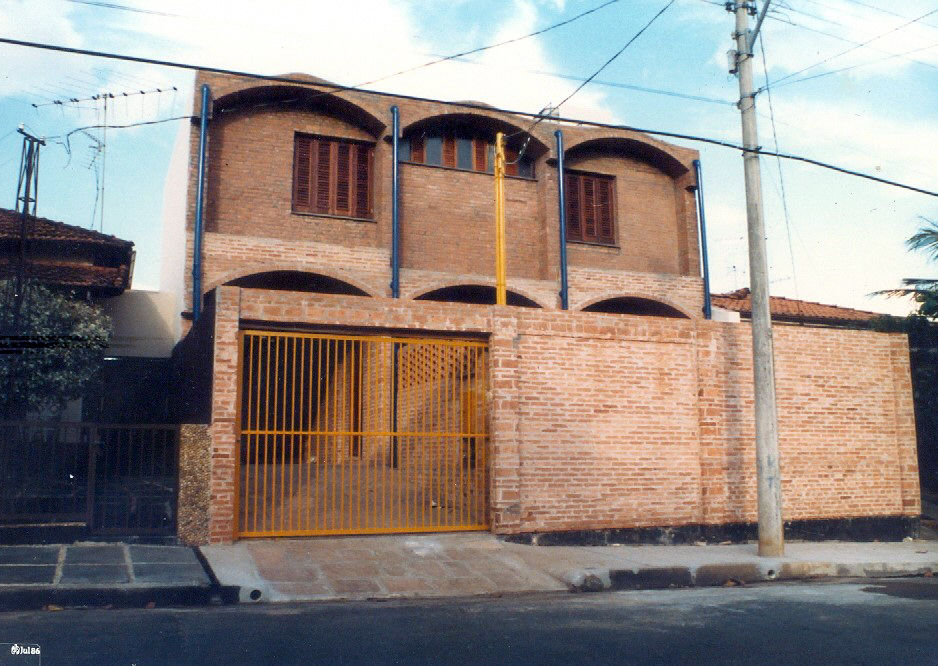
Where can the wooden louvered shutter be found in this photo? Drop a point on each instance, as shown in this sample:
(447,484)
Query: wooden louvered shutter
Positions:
(302,172)
(362,181)
(511,162)
(449,150)
(343,176)
(589,208)
(572,192)
(323,175)
(416,150)
(480,148)
(605,211)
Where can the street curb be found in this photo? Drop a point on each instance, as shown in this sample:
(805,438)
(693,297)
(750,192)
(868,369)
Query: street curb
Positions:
(37,597)
(733,573)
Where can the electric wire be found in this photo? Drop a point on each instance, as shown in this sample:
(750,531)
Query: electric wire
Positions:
(781,176)
(857,46)
(857,66)
(608,62)
(465,105)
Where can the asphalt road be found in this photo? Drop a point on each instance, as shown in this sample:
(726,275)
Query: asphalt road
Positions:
(888,622)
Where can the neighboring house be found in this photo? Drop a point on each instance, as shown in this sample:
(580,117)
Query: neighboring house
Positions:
(795,311)
(336,408)
(65,256)
(133,384)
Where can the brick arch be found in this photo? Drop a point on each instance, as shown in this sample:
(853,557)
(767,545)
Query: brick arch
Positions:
(658,154)
(335,273)
(245,99)
(414,294)
(478,118)
(642,297)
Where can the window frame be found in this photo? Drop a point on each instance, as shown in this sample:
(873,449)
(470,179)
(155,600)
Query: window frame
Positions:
(417,153)
(575,201)
(360,154)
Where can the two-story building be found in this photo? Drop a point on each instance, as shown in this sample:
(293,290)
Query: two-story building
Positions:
(359,378)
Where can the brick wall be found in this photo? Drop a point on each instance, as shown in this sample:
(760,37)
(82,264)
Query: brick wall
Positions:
(618,421)
(446,214)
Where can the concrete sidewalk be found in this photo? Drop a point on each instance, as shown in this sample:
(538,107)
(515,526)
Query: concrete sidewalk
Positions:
(84,574)
(439,565)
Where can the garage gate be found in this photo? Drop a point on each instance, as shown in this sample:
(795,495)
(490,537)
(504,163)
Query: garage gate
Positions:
(361,434)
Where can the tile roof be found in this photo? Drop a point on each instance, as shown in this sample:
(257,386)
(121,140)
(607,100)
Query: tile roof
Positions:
(789,309)
(44,229)
(73,275)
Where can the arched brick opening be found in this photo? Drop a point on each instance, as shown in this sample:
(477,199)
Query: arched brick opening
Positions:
(289,280)
(634,305)
(475,293)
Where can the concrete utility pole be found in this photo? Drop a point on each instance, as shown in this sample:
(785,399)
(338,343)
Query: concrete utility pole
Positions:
(771,528)
(500,289)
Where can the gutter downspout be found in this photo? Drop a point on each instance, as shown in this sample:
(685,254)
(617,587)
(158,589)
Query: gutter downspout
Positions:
(562,217)
(704,261)
(199,199)
(395,272)
(395,219)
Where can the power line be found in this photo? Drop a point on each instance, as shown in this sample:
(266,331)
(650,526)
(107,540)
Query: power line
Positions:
(605,64)
(491,46)
(854,48)
(844,39)
(781,177)
(464,105)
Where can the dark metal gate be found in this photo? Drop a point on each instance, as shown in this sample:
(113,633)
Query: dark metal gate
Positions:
(115,479)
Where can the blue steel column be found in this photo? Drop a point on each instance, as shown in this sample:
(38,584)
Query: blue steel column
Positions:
(395,220)
(562,216)
(705,263)
(199,198)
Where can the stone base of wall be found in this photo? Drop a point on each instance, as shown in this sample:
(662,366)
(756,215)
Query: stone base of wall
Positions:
(865,528)
(195,465)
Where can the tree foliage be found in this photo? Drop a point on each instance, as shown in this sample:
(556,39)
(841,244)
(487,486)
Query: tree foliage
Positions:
(50,352)
(923,291)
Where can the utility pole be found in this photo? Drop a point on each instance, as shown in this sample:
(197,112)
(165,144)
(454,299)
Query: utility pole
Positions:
(27,191)
(768,474)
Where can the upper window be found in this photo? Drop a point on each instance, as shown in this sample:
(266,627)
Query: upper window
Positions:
(591,210)
(462,150)
(332,176)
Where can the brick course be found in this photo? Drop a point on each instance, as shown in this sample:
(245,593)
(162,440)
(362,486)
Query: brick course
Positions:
(603,421)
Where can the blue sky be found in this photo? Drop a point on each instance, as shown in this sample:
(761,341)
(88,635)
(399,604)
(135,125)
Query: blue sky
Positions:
(844,236)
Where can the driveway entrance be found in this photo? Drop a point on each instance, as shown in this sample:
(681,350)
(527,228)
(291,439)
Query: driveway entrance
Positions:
(361,434)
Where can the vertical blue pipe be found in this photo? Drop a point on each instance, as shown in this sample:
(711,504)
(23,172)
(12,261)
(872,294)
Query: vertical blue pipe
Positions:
(705,263)
(562,216)
(199,198)
(395,220)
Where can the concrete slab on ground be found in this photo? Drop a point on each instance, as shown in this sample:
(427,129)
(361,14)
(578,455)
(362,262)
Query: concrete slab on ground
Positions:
(98,574)
(465,564)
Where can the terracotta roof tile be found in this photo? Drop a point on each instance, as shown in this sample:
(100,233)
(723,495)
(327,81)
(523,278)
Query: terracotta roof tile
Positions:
(789,309)
(73,275)
(42,228)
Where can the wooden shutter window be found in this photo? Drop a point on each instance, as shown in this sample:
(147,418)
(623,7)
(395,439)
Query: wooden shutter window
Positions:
(323,176)
(590,207)
(332,177)
(449,150)
(604,211)
(416,150)
(362,184)
(481,149)
(343,185)
(572,192)
(511,162)
(302,186)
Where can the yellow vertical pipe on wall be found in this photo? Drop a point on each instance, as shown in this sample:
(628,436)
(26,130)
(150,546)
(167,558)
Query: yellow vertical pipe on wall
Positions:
(500,297)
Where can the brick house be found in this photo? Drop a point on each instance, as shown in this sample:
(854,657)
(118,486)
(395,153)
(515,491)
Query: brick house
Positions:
(335,408)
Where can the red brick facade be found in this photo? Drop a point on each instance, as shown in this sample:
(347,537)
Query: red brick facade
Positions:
(596,420)
(601,421)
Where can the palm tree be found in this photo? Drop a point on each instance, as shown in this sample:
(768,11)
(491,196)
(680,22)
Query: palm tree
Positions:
(923,291)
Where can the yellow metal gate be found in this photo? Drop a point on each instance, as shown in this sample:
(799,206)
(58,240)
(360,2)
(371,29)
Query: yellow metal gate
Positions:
(361,434)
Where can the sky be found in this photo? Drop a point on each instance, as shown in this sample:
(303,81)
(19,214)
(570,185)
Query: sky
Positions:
(855,87)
